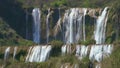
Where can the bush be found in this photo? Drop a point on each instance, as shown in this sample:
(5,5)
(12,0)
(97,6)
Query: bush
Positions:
(109,40)
(87,42)
(59,3)
(56,43)
(56,50)
(114,60)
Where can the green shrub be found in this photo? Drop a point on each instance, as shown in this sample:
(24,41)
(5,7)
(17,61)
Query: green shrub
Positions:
(56,47)
(87,42)
(20,56)
(56,43)
(114,60)
(109,40)
(59,3)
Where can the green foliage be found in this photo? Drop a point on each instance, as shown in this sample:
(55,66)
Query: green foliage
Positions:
(59,3)
(20,56)
(25,42)
(108,40)
(62,60)
(113,61)
(22,59)
(87,42)
(85,59)
(9,37)
(56,43)
(86,3)
(56,47)
(69,59)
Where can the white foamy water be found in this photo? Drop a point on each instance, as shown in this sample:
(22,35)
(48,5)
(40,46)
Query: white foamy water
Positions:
(81,51)
(95,52)
(38,53)
(98,52)
(99,33)
(36,25)
(74,25)
(7,51)
(14,54)
(84,34)
(66,49)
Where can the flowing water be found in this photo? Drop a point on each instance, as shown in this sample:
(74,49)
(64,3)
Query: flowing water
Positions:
(38,53)
(36,26)
(57,27)
(66,49)
(99,33)
(85,11)
(14,54)
(74,25)
(81,51)
(6,55)
(47,25)
(96,52)
(73,31)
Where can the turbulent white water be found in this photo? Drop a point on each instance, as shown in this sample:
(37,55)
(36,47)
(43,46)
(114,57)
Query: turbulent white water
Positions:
(66,49)
(14,54)
(81,51)
(96,52)
(99,33)
(7,51)
(74,25)
(38,53)
(36,26)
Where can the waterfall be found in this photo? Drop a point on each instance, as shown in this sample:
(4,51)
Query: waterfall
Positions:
(96,52)
(73,23)
(36,26)
(85,11)
(81,51)
(79,30)
(57,27)
(6,55)
(63,49)
(98,66)
(47,25)
(14,54)
(99,33)
(71,20)
(38,53)
(66,49)
(59,12)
